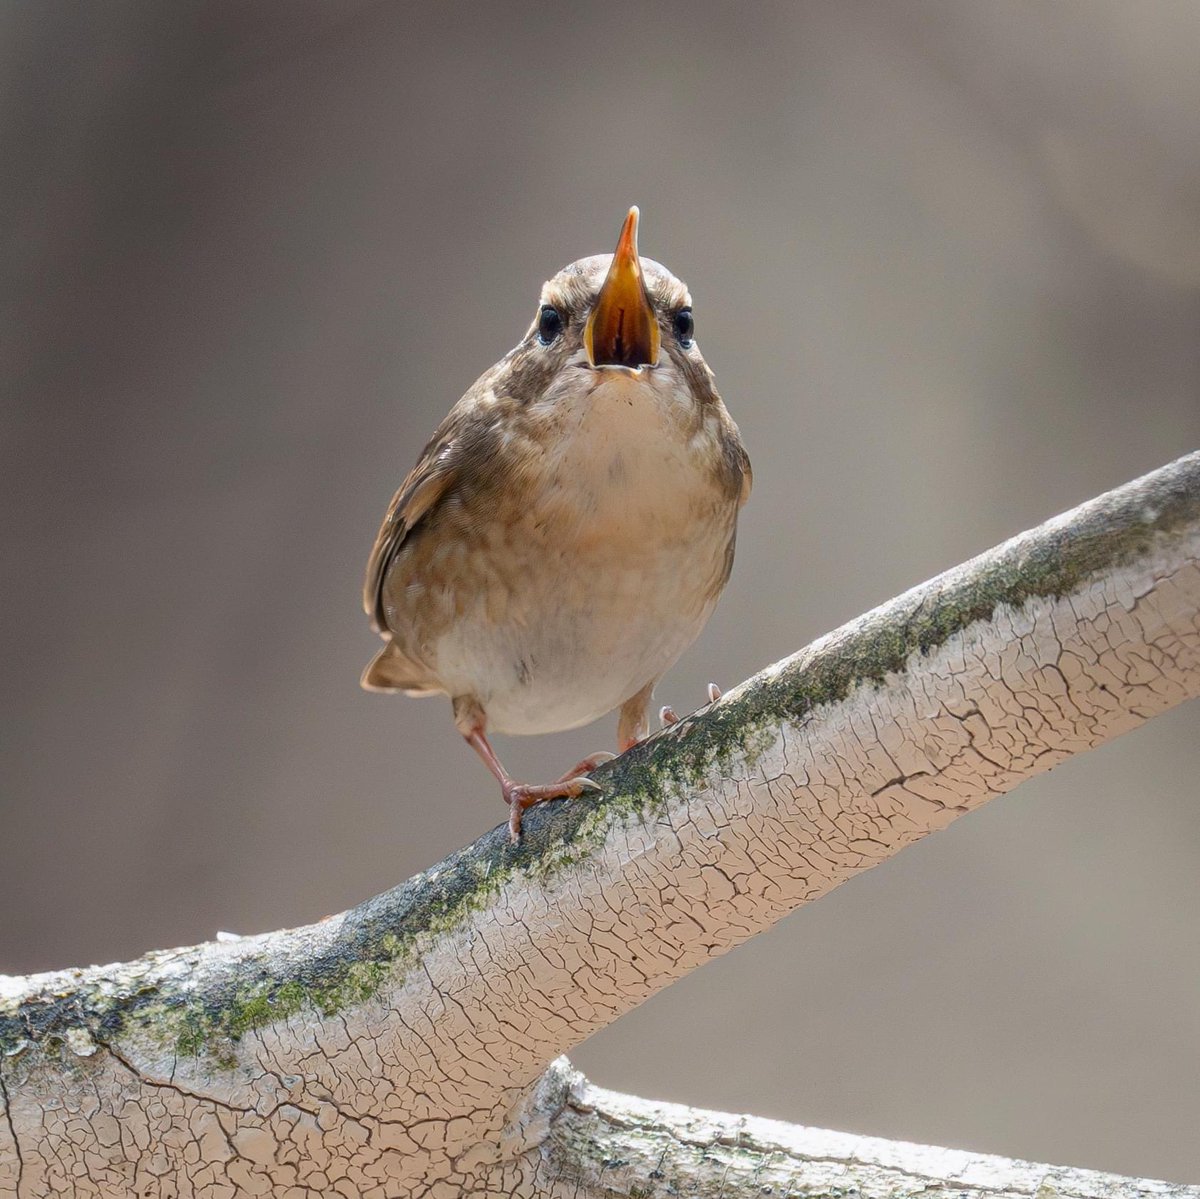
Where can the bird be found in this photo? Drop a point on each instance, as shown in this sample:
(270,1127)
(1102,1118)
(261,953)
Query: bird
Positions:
(568,529)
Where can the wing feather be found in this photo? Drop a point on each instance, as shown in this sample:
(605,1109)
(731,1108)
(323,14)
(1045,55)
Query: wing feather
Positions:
(426,483)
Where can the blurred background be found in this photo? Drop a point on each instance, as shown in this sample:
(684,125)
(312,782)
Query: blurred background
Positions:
(946,265)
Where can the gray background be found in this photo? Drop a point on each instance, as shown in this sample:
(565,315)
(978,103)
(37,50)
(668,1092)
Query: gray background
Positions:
(946,261)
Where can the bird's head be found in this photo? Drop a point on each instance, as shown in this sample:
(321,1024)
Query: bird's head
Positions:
(611,316)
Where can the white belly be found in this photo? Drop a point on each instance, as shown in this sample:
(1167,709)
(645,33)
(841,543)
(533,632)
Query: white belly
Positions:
(611,573)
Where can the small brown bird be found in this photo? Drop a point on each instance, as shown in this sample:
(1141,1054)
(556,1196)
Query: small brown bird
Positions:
(566,533)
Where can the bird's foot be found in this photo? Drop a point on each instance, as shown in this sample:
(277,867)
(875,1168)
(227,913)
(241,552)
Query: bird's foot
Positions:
(667,715)
(520,796)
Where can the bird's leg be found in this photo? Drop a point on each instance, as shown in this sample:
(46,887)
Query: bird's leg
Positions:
(632,725)
(472,723)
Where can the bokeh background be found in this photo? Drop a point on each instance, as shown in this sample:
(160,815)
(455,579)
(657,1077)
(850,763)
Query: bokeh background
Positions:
(946,262)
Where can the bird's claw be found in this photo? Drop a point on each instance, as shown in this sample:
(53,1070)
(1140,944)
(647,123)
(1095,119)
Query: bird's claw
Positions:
(520,796)
(667,715)
(588,764)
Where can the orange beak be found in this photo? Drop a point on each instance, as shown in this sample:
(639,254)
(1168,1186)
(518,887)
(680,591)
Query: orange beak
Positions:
(622,329)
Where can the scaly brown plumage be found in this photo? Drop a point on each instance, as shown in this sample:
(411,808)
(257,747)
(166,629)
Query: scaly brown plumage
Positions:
(568,529)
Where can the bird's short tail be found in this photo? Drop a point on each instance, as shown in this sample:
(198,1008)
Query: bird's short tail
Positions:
(390,670)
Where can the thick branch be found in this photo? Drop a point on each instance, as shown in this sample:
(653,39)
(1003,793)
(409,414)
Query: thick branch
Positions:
(389,1047)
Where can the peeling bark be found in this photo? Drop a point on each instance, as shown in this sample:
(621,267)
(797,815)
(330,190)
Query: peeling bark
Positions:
(395,1049)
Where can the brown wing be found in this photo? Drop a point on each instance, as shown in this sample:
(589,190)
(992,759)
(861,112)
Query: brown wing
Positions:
(743,461)
(461,453)
(739,477)
(426,483)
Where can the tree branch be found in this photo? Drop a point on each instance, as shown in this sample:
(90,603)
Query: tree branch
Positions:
(601,1143)
(392,1049)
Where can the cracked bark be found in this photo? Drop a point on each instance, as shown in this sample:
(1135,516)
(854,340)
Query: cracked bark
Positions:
(599,1142)
(405,1047)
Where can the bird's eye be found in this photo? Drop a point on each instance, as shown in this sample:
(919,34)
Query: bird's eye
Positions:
(685,327)
(550,324)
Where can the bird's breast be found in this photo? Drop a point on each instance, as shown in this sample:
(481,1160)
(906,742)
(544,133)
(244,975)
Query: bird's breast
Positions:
(606,568)
(626,465)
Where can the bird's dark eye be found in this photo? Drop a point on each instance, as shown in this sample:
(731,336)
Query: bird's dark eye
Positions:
(685,327)
(550,324)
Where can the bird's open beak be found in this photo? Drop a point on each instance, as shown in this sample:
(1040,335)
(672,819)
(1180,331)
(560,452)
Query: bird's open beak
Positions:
(622,329)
